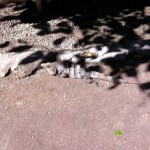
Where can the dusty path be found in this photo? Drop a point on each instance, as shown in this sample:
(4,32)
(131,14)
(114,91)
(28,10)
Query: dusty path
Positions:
(41,112)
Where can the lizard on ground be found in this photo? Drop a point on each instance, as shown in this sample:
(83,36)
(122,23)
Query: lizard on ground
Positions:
(76,71)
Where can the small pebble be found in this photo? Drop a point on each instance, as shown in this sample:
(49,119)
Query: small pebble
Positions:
(108,83)
(69,84)
(19,104)
(65,96)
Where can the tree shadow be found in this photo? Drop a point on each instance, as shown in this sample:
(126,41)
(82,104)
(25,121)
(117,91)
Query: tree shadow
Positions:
(100,22)
(5,44)
(21,48)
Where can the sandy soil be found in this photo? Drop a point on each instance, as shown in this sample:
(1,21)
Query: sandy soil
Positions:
(50,113)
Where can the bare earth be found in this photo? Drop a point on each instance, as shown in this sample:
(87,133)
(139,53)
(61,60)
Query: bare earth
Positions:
(41,112)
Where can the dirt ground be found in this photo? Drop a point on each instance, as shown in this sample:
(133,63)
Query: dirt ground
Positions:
(41,112)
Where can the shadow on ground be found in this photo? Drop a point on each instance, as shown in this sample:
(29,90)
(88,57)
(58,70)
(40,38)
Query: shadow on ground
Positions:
(100,22)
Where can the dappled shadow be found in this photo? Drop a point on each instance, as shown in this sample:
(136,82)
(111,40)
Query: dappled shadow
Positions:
(59,41)
(145,86)
(5,44)
(44,56)
(129,67)
(20,48)
(102,22)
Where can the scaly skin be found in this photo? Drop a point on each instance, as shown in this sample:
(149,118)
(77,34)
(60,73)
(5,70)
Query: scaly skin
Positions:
(78,72)
(101,76)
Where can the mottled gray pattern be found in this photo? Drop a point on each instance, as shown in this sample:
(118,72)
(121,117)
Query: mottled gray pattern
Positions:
(78,72)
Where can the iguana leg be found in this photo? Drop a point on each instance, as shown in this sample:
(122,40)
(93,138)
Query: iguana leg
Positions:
(92,81)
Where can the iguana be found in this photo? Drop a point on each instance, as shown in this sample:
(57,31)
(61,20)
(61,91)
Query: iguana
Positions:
(25,62)
(76,71)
